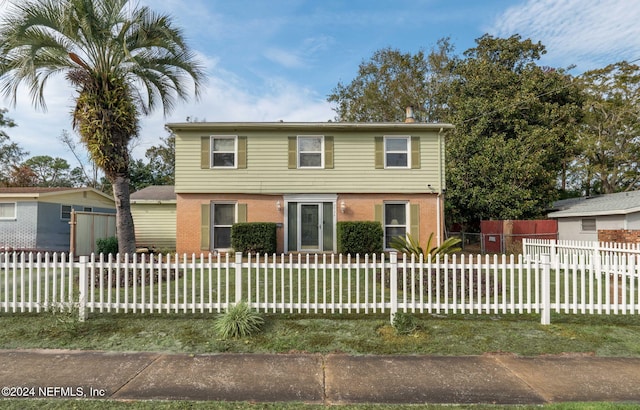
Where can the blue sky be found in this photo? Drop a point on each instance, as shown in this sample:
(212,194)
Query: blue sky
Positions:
(278,60)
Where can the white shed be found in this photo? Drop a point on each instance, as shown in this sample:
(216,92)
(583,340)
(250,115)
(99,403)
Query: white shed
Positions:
(582,218)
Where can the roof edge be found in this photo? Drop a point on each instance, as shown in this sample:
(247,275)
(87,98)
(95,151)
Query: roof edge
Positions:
(186,126)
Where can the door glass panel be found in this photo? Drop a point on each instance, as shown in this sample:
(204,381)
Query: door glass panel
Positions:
(309,227)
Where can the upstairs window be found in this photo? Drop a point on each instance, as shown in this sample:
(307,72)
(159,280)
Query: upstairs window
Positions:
(310,152)
(223,151)
(397,152)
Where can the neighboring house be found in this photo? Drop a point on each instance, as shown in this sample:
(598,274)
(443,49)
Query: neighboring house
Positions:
(154,217)
(582,218)
(306,177)
(38,218)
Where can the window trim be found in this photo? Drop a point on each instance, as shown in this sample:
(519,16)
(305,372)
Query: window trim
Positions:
(300,152)
(407,222)
(213,222)
(212,138)
(407,152)
(15,212)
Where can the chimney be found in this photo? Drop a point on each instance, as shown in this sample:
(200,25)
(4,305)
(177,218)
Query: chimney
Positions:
(409,117)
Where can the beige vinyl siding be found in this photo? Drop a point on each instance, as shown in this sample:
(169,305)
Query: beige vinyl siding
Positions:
(85,199)
(268,166)
(155,225)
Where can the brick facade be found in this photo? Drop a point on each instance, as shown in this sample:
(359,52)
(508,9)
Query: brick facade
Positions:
(263,208)
(619,235)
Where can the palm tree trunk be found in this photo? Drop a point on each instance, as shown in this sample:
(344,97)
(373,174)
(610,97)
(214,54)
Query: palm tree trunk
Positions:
(124,220)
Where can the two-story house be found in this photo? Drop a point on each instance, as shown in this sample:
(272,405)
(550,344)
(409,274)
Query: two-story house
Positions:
(306,177)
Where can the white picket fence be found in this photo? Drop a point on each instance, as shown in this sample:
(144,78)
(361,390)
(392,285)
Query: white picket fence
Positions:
(316,284)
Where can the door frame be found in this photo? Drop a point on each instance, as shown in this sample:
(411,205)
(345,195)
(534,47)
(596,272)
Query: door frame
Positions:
(318,199)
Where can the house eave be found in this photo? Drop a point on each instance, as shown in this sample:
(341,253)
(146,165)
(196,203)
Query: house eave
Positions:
(309,126)
(563,214)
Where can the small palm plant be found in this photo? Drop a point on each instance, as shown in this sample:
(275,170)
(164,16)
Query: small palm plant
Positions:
(411,246)
(238,321)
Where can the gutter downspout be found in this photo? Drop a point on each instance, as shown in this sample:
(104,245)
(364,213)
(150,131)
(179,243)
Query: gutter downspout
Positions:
(442,188)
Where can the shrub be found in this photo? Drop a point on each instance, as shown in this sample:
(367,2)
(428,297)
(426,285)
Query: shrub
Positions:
(410,246)
(254,237)
(360,237)
(404,323)
(107,245)
(238,321)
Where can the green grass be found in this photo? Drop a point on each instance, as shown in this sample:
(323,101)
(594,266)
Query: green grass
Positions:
(355,334)
(348,333)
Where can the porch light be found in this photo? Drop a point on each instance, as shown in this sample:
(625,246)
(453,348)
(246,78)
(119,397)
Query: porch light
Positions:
(278,206)
(343,206)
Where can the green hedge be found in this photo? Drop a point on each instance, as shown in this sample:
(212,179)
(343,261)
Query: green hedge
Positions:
(360,237)
(107,245)
(254,237)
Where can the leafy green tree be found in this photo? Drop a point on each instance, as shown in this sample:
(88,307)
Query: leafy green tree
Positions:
(162,161)
(49,171)
(159,168)
(609,137)
(11,153)
(123,60)
(514,131)
(515,120)
(390,82)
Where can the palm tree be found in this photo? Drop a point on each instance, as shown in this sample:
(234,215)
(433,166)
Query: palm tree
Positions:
(122,60)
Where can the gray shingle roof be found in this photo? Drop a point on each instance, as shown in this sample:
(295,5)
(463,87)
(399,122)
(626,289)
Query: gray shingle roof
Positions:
(155,193)
(620,203)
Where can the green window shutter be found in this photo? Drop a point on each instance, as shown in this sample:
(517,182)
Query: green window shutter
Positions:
(378,215)
(292,223)
(327,226)
(293,152)
(242,152)
(379,148)
(205,152)
(415,152)
(414,229)
(205,226)
(242,213)
(328,152)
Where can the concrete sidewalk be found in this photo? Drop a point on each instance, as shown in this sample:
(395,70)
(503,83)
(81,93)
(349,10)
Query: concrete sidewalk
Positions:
(321,379)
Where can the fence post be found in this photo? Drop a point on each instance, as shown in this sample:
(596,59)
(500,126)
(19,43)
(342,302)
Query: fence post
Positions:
(238,268)
(82,282)
(393,283)
(545,316)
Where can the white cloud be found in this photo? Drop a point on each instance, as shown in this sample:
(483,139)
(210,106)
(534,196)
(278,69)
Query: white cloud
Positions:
(226,101)
(284,58)
(587,33)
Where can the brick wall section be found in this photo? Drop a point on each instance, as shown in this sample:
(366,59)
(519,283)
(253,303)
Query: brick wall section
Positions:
(262,208)
(619,235)
(361,207)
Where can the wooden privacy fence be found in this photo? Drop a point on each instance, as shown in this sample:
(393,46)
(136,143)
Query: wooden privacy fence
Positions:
(315,284)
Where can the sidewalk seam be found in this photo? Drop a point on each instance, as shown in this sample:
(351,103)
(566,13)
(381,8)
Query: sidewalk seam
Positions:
(517,376)
(324,379)
(155,359)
